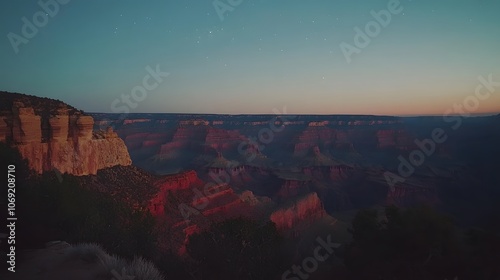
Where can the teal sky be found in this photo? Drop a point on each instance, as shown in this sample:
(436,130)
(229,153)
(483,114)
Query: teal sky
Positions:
(261,55)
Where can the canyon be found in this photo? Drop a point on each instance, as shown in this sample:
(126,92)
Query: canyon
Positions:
(342,159)
(190,171)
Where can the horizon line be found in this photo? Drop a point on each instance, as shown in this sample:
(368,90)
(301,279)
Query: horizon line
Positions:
(490,114)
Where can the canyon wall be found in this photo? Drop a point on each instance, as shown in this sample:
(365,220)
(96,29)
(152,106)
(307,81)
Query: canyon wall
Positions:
(308,208)
(167,184)
(59,138)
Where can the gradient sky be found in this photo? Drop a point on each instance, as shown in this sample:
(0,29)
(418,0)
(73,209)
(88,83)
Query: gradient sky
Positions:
(263,55)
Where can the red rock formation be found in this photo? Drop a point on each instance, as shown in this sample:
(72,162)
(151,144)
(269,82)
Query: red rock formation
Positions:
(125,122)
(222,140)
(26,125)
(184,137)
(313,136)
(308,208)
(206,204)
(188,231)
(142,143)
(181,181)
(317,134)
(60,127)
(71,148)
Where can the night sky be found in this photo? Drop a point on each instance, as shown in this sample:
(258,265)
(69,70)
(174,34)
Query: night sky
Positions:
(256,56)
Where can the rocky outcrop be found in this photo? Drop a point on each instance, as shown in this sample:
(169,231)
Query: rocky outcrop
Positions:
(314,135)
(59,139)
(26,127)
(222,140)
(184,137)
(306,209)
(76,158)
(184,205)
(166,184)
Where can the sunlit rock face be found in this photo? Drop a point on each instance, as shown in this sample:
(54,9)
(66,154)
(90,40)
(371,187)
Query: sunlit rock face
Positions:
(185,204)
(26,125)
(53,136)
(59,125)
(81,127)
(308,208)
(177,182)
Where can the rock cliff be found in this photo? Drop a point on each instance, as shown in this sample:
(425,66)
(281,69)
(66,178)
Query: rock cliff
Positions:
(166,184)
(52,135)
(308,208)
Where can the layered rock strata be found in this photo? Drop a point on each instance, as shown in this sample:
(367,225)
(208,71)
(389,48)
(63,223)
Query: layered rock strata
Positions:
(60,139)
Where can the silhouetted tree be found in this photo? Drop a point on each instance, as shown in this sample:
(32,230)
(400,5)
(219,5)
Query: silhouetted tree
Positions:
(238,249)
(416,243)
